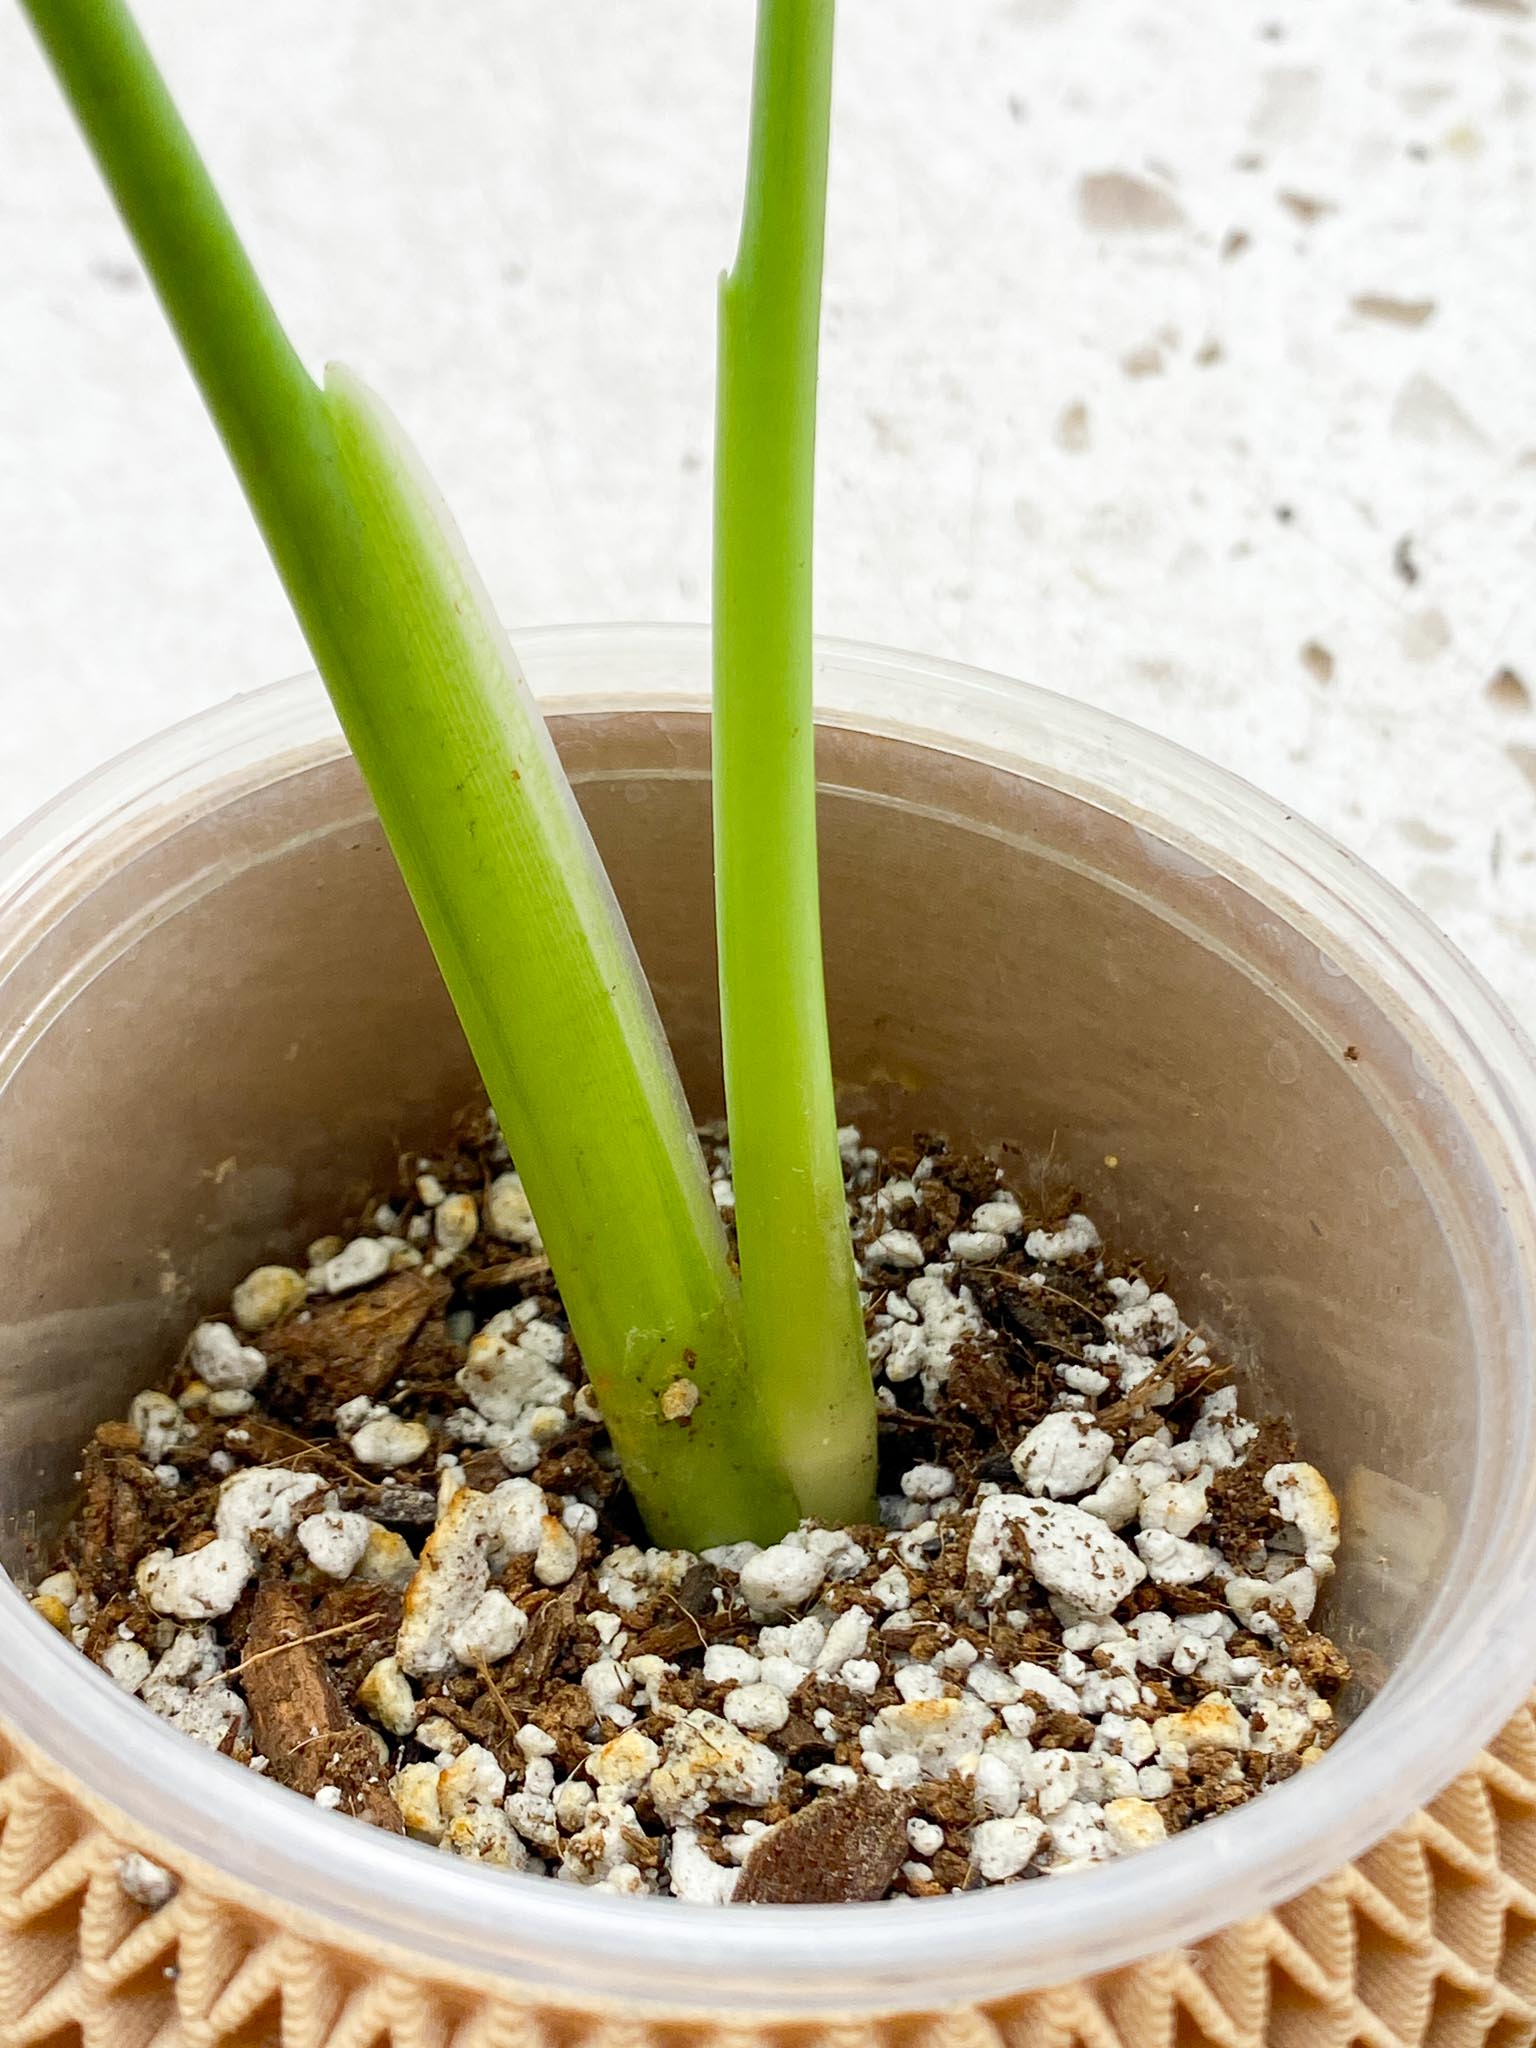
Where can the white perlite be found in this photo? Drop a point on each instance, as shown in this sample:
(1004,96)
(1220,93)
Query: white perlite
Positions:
(161,1425)
(267,1295)
(916,1333)
(127,1664)
(335,1542)
(185,1688)
(1069,1552)
(1075,1239)
(455,1223)
(1063,1456)
(363,1261)
(449,1607)
(508,1214)
(1002,1848)
(386,1694)
(388,1441)
(221,1361)
(263,1501)
(780,1578)
(695,1876)
(708,1760)
(205,1583)
(198,1586)
(146,1883)
(1303,1498)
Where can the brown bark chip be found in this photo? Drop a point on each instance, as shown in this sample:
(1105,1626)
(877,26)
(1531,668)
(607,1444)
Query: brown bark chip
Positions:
(483,1470)
(401,1507)
(531,1664)
(670,1639)
(345,1348)
(122,1506)
(110,1536)
(1062,1731)
(987,1395)
(569,1467)
(508,1273)
(298,1721)
(841,1848)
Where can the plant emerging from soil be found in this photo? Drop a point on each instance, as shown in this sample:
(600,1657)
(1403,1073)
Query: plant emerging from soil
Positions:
(1082,1623)
(376,1535)
(806,1340)
(732,1417)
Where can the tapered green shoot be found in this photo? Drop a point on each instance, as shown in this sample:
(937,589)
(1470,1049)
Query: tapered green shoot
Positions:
(487,834)
(805,1333)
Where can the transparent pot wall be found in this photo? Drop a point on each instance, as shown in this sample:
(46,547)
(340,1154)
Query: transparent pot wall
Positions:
(221,1023)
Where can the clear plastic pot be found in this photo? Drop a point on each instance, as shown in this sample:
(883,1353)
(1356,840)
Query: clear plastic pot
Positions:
(217,1019)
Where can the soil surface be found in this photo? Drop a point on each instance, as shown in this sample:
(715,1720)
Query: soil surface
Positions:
(368,1537)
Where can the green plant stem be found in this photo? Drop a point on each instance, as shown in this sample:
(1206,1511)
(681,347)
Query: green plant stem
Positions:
(552,999)
(805,1333)
(481,819)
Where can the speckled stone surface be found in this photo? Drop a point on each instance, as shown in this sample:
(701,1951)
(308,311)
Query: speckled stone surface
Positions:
(1179,357)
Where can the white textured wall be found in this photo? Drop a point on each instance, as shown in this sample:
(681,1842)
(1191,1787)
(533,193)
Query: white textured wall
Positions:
(1162,343)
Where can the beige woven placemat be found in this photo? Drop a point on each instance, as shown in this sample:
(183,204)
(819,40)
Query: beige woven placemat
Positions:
(1430,1939)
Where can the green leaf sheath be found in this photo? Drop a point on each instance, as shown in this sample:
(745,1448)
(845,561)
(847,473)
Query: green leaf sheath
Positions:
(481,819)
(539,964)
(804,1328)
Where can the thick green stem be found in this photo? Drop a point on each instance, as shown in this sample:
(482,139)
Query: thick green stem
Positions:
(804,1330)
(539,964)
(499,863)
